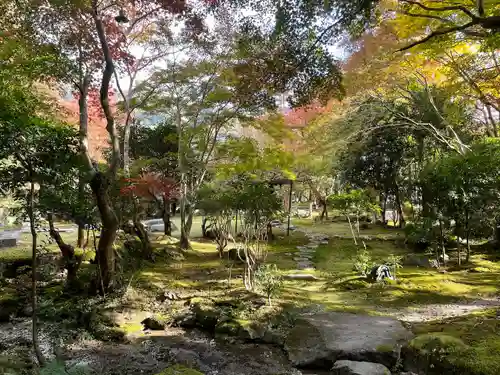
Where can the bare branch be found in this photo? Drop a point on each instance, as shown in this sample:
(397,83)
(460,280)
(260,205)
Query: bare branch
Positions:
(426,16)
(442,9)
(441,32)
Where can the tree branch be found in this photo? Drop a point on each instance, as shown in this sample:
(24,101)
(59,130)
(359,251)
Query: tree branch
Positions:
(439,33)
(442,9)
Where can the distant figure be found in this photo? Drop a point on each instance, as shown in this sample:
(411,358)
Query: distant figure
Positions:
(379,273)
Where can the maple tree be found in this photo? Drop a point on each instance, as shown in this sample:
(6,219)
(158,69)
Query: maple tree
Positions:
(156,188)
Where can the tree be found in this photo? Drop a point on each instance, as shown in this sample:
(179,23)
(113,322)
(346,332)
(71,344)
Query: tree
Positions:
(34,152)
(219,204)
(354,203)
(157,188)
(198,96)
(464,18)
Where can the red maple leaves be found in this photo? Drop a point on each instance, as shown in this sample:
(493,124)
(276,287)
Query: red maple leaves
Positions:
(151,186)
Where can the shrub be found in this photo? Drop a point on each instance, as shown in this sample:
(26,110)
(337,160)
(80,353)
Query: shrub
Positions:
(419,234)
(363,262)
(268,280)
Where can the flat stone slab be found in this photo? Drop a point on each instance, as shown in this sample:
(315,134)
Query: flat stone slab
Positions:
(312,246)
(359,368)
(331,336)
(301,276)
(305,266)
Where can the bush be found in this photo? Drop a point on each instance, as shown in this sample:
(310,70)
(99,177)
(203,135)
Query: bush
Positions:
(419,234)
(268,280)
(363,262)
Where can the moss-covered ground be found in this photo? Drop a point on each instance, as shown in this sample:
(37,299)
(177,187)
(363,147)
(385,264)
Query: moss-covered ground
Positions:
(201,273)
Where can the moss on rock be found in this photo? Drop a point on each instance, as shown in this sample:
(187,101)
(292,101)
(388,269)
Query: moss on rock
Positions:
(179,370)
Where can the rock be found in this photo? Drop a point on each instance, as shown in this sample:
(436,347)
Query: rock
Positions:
(154,324)
(185,318)
(162,297)
(274,336)
(359,368)
(205,313)
(179,370)
(304,266)
(312,246)
(251,330)
(428,353)
(326,337)
(324,242)
(380,273)
(300,276)
(187,358)
(417,260)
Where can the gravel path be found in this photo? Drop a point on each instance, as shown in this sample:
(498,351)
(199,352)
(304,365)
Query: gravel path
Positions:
(425,313)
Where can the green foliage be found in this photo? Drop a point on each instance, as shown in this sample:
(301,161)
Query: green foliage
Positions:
(464,187)
(268,280)
(363,262)
(395,261)
(355,202)
(420,233)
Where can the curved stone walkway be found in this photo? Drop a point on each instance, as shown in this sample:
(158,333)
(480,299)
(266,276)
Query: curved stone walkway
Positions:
(306,252)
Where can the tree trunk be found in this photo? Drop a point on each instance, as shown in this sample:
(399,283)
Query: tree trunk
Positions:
(99,184)
(467,235)
(384,209)
(105,252)
(141,232)
(34,326)
(401,220)
(81,235)
(71,261)
(443,248)
(83,126)
(459,244)
(167,226)
(186,224)
(352,230)
(324,211)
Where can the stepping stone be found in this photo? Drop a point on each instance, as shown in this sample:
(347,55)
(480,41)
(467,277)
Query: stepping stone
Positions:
(305,266)
(359,368)
(324,336)
(312,246)
(324,242)
(301,276)
(301,247)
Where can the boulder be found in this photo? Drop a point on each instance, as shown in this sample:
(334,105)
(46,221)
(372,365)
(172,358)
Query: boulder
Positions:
(380,273)
(417,260)
(154,324)
(359,368)
(325,337)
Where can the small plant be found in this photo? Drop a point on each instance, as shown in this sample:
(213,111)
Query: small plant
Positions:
(363,262)
(395,263)
(268,280)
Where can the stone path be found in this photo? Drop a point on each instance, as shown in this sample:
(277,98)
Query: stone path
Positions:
(306,252)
